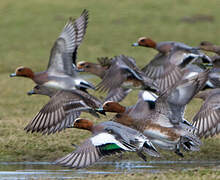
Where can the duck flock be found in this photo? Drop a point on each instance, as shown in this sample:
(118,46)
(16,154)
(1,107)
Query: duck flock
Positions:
(166,85)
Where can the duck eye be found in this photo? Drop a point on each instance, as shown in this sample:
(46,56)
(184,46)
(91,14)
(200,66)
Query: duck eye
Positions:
(118,115)
(19,70)
(142,40)
(37,87)
(109,131)
(87,66)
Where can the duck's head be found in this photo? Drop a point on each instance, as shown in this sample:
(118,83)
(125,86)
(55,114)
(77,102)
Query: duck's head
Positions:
(206,43)
(24,72)
(145,42)
(42,90)
(81,123)
(207,46)
(111,106)
(84,66)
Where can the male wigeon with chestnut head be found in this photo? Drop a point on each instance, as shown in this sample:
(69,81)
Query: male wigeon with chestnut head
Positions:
(107,138)
(168,66)
(63,108)
(161,118)
(208,46)
(61,71)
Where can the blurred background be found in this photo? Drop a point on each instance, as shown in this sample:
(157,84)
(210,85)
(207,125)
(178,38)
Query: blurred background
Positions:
(29,28)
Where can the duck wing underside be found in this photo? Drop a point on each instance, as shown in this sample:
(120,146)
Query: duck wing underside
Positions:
(207,120)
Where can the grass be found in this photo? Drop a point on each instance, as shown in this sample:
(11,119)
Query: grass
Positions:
(28,30)
(194,174)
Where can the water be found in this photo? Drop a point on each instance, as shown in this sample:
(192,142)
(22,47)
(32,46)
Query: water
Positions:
(36,170)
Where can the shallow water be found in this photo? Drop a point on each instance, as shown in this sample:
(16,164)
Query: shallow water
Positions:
(36,170)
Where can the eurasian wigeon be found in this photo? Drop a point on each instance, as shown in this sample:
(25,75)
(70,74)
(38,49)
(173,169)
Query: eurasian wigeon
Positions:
(107,138)
(61,110)
(168,66)
(61,71)
(163,47)
(161,118)
(214,75)
(42,90)
(94,68)
(207,120)
(123,72)
(208,46)
(116,94)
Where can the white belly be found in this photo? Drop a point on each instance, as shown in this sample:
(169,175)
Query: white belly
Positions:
(159,137)
(57,85)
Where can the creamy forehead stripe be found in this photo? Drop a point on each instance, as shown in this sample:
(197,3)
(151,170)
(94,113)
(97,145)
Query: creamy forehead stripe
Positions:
(149,96)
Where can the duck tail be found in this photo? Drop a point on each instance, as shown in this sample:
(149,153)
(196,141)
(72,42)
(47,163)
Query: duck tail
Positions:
(190,142)
(149,148)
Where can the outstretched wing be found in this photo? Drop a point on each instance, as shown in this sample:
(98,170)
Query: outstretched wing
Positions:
(121,68)
(61,111)
(81,26)
(61,54)
(92,150)
(174,100)
(207,120)
(64,50)
(168,69)
(117,94)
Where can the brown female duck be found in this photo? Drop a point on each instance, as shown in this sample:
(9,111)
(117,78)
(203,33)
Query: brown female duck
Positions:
(170,64)
(117,94)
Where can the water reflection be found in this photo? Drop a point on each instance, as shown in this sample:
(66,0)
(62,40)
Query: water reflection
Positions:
(36,170)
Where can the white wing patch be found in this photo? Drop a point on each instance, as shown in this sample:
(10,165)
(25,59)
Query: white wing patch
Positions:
(149,96)
(209,84)
(191,74)
(105,138)
(186,55)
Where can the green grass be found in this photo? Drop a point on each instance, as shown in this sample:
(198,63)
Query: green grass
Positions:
(193,174)
(28,30)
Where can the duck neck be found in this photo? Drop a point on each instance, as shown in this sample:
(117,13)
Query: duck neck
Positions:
(97,70)
(121,109)
(84,124)
(117,108)
(216,49)
(211,48)
(29,73)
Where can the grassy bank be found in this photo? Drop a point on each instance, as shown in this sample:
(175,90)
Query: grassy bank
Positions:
(171,175)
(28,30)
